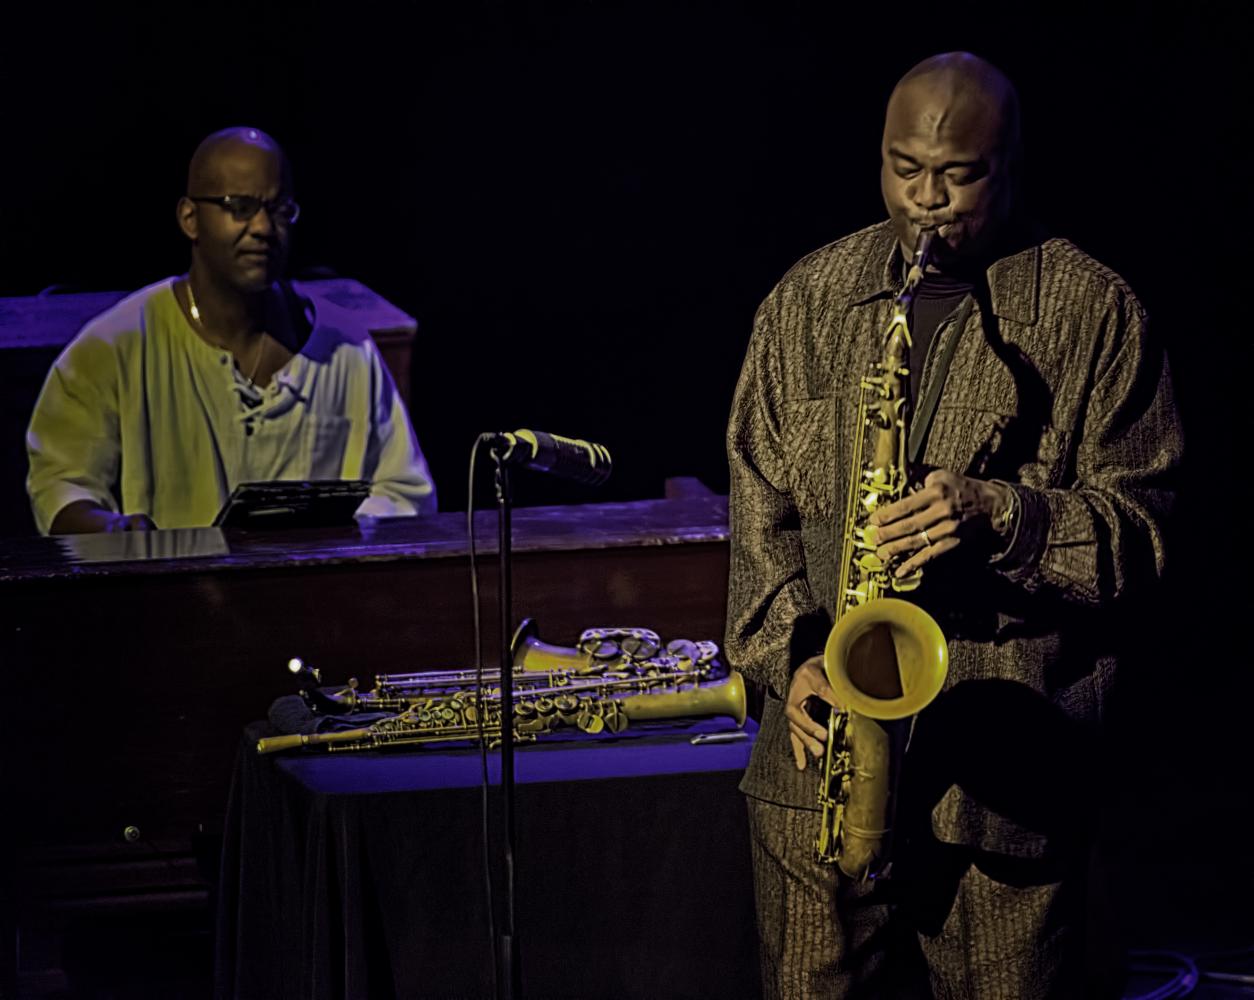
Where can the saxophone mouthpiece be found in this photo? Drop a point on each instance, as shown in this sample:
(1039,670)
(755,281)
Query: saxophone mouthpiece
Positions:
(918,260)
(923,247)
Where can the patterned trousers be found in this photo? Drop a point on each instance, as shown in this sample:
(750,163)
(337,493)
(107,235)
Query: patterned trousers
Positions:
(964,926)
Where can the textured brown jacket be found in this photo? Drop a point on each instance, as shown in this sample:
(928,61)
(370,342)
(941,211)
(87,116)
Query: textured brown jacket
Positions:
(1054,387)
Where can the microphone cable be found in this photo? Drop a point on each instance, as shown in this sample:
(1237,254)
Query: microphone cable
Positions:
(1188,972)
(485,784)
(1183,971)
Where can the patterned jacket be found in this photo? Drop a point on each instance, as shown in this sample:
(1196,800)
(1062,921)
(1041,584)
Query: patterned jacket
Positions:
(1055,387)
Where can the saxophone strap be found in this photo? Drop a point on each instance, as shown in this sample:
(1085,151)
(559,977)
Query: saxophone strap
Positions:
(921,420)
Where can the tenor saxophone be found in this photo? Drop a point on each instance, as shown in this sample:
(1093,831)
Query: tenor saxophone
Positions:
(885,657)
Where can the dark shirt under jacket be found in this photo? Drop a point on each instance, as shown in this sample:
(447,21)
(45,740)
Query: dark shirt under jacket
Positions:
(938,298)
(1055,387)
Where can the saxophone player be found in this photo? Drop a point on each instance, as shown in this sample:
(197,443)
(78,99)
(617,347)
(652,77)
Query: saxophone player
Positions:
(1044,445)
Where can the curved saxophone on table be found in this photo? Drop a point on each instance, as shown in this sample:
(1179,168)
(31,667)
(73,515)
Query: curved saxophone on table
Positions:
(885,658)
(609,653)
(612,678)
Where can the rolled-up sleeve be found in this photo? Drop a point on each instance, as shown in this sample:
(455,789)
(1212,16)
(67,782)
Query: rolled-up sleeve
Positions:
(73,439)
(401,482)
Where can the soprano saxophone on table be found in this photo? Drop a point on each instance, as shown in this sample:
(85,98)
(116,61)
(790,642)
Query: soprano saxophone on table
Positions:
(885,658)
(605,653)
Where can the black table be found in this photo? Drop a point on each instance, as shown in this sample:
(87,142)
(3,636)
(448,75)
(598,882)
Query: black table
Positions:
(361,874)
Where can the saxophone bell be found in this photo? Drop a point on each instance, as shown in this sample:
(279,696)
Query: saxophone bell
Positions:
(886,659)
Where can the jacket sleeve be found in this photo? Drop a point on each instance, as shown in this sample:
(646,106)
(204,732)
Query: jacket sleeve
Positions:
(1102,537)
(769,597)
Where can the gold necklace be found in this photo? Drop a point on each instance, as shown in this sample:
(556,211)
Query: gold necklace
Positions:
(195,312)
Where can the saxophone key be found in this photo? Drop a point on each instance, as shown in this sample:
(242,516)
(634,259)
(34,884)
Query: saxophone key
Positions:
(870,563)
(589,722)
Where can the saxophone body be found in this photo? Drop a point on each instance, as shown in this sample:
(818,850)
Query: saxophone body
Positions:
(885,657)
(601,654)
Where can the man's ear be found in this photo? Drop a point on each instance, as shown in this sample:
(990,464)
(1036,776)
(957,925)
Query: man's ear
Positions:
(188,221)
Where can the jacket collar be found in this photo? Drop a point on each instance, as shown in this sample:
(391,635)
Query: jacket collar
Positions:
(1013,280)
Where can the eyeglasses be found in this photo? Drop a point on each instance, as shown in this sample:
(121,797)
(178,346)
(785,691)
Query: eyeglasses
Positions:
(243,207)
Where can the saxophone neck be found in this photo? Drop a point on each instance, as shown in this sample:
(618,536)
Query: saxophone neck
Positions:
(914,275)
(920,258)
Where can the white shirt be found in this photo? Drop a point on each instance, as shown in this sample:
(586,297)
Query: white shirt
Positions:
(139,408)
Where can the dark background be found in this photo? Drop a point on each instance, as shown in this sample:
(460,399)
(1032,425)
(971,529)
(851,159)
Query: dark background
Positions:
(583,203)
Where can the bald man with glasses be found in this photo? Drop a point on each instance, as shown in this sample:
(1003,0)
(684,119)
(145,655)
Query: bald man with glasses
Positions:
(183,390)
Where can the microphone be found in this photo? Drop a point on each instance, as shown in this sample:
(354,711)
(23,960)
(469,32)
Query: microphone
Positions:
(566,458)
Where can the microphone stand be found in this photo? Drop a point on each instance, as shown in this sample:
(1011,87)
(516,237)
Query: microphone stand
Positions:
(510,980)
(583,462)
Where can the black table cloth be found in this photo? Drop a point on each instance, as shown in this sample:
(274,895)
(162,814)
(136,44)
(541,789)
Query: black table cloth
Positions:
(362,874)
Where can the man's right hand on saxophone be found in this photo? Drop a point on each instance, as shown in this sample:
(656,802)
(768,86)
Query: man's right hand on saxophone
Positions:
(809,682)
